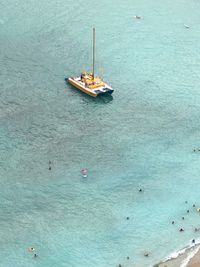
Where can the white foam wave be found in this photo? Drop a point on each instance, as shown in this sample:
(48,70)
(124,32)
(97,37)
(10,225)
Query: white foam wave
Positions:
(189,257)
(175,254)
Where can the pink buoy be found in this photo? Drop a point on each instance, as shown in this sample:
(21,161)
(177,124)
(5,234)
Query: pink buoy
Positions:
(84,172)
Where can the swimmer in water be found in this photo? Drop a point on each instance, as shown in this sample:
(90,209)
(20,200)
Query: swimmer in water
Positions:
(127,218)
(35,255)
(172,222)
(31,249)
(140,190)
(183,218)
(84,172)
(137,17)
(181,230)
(193,206)
(188,211)
(50,165)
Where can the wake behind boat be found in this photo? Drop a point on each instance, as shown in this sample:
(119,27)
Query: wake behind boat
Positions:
(88,83)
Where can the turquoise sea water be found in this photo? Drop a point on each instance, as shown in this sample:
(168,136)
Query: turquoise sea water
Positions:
(142,137)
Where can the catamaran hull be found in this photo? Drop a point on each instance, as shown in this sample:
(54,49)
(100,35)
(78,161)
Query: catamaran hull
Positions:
(93,93)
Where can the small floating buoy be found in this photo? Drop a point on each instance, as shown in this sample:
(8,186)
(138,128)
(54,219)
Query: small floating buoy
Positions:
(84,172)
(198,209)
(186,26)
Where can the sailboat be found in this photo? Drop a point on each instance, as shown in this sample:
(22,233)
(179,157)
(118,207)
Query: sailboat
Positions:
(89,83)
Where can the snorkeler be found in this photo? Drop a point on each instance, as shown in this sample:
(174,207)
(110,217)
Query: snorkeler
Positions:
(84,172)
(50,165)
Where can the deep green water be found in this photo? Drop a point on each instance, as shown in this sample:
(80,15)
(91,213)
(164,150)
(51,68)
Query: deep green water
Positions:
(142,137)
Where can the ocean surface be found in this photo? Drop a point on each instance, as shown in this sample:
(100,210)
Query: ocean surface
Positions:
(142,137)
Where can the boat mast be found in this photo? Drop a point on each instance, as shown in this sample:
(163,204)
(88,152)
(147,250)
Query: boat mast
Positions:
(93,65)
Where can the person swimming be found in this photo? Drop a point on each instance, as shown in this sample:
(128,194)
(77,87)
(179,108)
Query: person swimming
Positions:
(31,249)
(188,211)
(181,230)
(84,172)
(140,190)
(172,222)
(137,17)
(50,165)
(183,218)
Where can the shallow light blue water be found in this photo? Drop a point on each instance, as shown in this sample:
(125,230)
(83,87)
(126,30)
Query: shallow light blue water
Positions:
(143,137)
